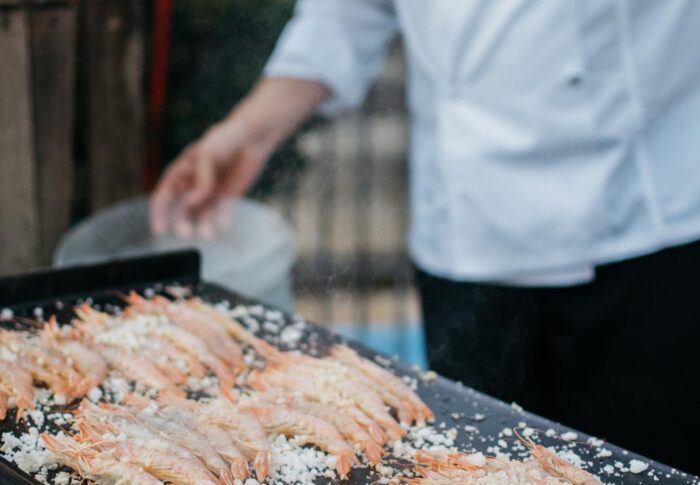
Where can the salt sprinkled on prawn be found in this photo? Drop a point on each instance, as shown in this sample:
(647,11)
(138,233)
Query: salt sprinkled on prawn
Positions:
(308,430)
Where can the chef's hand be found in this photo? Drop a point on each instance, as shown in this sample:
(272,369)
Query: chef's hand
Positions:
(228,158)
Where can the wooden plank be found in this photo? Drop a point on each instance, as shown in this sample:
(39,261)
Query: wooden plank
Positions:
(114,53)
(53,67)
(19,235)
(25,3)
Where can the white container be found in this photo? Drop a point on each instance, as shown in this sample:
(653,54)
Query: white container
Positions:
(254,257)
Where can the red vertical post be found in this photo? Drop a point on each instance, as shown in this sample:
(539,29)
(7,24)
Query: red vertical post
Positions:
(158,85)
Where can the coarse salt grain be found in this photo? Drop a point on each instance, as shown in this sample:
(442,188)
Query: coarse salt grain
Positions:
(256,310)
(62,478)
(476,459)
(571,457)
(251,324)
(569,436)
(291,335)
(428,436)
(430,376)
(596,442)
(275,315)
(94,394)
(386,362)
(603,453)
(118,387)
(293,464)
(27,450)
(411,382)
(37,416)
(638,466)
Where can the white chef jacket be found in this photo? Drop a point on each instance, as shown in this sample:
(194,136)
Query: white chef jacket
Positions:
(548,136)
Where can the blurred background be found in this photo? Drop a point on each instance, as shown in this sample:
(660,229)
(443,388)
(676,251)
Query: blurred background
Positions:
(97,96)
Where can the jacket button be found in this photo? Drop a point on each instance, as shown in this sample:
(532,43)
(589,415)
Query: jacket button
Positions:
(575,80)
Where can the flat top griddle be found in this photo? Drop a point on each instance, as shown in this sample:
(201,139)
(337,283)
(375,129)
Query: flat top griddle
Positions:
(480,419)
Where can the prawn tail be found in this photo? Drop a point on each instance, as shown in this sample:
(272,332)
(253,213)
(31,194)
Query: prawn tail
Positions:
(225,477)
(262,464)
(239,469)
(345,460)
(227,393)
(373,452)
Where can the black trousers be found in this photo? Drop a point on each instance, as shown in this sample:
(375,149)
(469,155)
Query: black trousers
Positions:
(618,358)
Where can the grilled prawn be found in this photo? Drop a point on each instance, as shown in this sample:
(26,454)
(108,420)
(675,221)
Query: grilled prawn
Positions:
(103,468)
(307,429)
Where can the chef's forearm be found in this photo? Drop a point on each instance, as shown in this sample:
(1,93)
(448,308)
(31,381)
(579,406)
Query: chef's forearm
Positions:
(276,107)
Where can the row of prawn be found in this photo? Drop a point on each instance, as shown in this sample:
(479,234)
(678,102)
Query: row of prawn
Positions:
(452,468)
(172,440)
(339,403)
(74,359)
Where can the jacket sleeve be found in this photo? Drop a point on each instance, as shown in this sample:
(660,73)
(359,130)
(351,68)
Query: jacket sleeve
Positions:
(341,43)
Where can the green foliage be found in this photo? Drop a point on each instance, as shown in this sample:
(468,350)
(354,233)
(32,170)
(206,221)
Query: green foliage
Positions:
(219,48)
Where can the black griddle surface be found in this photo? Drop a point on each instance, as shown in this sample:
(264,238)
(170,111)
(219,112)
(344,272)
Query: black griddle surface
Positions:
(55,292)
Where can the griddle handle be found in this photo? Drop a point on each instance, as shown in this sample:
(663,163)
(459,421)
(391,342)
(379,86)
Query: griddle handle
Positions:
(55,284)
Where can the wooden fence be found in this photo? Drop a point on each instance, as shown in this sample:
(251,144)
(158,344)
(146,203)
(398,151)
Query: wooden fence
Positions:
(72,95)
(67,67)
